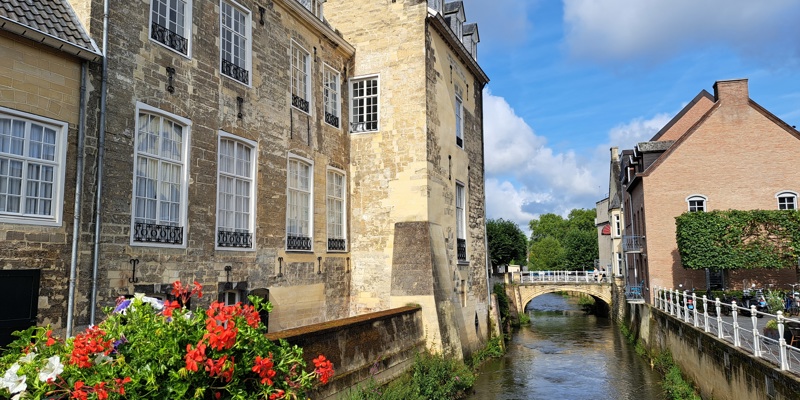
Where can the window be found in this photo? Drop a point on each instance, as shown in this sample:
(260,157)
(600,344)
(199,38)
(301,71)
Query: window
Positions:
(461,227)
(236,170)
(617,225)
(231,297)
(696,203)
(235,42)
(32,167)
(170,24)
(619,264)
(364,110)
(301,86)
(330,92)
(336,226)
(459,119)
(787,200)
(298,207)
(160,178)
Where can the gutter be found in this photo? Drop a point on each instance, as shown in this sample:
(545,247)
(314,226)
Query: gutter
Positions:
(49,40)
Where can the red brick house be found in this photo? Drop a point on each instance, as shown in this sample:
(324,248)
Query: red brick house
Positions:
(719,152)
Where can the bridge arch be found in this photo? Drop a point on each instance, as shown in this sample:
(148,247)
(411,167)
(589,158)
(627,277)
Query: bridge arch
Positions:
(529,291)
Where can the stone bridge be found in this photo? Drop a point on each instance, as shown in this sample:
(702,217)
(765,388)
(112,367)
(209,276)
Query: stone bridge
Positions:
(535,283)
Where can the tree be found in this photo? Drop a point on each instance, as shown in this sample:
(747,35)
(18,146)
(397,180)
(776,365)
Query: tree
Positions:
(507,243)
(580,249)
(548,225)
(546,254)
(558,243)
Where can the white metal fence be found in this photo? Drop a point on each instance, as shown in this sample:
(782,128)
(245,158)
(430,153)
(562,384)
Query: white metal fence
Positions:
(739,326)
(565,276)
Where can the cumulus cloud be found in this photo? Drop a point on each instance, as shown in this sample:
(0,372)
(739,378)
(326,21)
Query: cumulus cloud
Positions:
(623,30)
(627,135)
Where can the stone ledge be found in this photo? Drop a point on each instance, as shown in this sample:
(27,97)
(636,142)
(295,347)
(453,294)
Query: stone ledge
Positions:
(326,327)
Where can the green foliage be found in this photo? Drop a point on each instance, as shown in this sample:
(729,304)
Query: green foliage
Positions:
(493,349)
(503,305)
(737,239)
(507,243)
(558,243)
(524,319)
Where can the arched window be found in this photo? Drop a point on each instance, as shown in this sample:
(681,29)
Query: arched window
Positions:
(696,202)
(787,200)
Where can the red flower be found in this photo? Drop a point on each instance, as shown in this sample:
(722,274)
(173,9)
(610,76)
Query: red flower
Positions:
(194,356)
(79,392)
(198,289)
(100,390)
(277,395)
(89,343)
(50,340)
(263,367)
(220,367)
(120,384)
(169,306)
(323,368)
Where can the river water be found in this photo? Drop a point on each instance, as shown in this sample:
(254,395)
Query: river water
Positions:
(567,355)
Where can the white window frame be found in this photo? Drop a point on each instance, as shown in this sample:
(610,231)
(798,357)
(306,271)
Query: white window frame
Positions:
(786,194)
(142,108)
(187,26)
(300,77)
(695,198)
(619,262)
(252,179)
(332,96)
(310,192)
(58,163)
(248,37)
(343,204)
(237,296)
(461,216)
(459,114)
(617,225)
(361,126)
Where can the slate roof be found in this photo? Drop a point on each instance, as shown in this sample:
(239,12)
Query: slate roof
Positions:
(453,6)
(52,20)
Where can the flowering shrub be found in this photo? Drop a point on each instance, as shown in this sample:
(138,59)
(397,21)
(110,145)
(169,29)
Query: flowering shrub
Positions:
(148,349)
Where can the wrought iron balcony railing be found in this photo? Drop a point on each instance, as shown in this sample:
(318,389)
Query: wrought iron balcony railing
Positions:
(461,245)
(297,242)
(632,244)
(169,38)
(300,102)
(331,119)
(154,233)
(235,71)
(234,239)
(337,244)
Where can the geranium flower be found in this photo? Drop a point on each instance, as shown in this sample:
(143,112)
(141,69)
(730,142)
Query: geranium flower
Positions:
(12,381)
(52,369)
(323,369)
(263,367)
(50,340)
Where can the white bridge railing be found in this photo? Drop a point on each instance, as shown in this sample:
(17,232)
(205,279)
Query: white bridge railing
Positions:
(564,277)
(739,326)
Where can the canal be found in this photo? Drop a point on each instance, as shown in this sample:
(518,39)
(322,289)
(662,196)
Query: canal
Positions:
(565,354)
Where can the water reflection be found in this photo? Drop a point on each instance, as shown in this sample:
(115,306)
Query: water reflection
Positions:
(565,354)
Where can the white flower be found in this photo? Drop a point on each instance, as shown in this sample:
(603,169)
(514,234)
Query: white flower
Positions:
(13,382)
(101,358)
(27,358)
(51,369)
(156,303)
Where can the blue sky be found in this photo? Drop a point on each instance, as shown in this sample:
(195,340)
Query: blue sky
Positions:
(571,78)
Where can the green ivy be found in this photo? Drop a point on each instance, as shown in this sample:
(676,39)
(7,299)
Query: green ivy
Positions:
(736,239)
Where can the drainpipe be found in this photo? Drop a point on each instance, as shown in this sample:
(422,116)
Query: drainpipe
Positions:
(76,220)
(101,151)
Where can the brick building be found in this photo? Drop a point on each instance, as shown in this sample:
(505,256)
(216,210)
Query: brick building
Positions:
(719,152)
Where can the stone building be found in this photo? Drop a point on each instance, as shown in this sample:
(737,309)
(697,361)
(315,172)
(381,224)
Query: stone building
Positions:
(417,195)
(45,55)
(719,152)
(603,227)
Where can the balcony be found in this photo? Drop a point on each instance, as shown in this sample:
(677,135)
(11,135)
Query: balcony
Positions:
(154,233)
(632,244)
(296,242)
(331,119)
(461,247)
(169,38)
(236,72)
(337,244)
(234,239)
(299,102)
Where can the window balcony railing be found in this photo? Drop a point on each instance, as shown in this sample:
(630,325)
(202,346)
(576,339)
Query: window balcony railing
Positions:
(337,244)
(461,247)
(155,233)
(364,126)
(297,242)
(234,239)
(331,119)
(632,244)
(300,102)
(235,71)
(169,38)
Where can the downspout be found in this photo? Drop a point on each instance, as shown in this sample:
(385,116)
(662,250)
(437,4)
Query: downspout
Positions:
(76,220)
(101,150)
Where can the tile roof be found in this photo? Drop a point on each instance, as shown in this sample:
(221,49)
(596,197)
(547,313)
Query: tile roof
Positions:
(53,18)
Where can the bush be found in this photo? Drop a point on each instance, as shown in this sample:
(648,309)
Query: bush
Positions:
(493,349)
(148,349)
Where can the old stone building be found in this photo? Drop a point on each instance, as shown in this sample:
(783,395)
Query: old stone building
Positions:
(720,152)
(418,227)
(45,55)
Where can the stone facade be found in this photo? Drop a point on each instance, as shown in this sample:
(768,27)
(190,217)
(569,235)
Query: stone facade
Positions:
(736,155)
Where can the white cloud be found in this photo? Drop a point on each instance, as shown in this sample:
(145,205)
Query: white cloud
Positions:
(627,135)
(621,30)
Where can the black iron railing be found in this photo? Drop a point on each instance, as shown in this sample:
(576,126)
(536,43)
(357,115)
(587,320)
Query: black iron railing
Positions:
(234,239)
(461,245)
(169,38)
(235,71)
(632,244)
(295,242)
(300,102)
(331,119)
(337,244)
(154,233)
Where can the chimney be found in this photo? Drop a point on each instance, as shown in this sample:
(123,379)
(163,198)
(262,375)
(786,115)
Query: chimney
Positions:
(732,91)
(614,154)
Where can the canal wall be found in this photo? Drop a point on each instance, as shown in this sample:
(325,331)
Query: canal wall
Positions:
(379,345)
(718,370)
